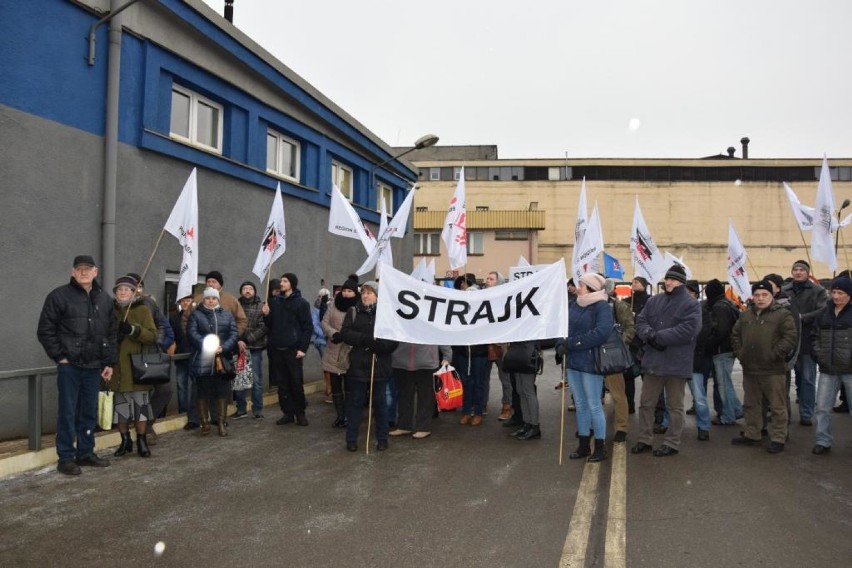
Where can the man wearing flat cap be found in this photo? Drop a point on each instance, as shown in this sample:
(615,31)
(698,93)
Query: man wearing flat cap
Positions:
(808,298)
(763,338)
(77,330)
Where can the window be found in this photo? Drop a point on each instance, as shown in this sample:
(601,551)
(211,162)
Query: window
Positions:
(482,208)
(434,174)
(421,209)
(427,244)
(282,155)
(385,191)
(511,236)
(475,243)
(195,119)
(341,176)
(456,173)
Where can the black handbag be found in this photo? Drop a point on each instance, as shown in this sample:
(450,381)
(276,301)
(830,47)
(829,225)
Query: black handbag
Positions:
(523,357)
(151,368)
(614,355)
(225,367)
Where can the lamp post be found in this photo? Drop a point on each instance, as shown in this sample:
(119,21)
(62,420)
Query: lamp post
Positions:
(843,206)
(423,142)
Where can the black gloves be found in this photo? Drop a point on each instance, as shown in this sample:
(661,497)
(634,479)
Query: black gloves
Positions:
(559,357)
(125,328)
(336,338)
(561,349)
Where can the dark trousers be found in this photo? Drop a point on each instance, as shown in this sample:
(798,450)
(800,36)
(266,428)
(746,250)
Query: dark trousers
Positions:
(356,396)
(78,410)
(160,399)
(290,380)
(213,387)
(416,399)
(516,399)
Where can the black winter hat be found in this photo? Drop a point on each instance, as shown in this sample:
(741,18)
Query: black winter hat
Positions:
(693,285)
(762,285)
(217,276)
(714,289)
(248,283)
(294,280)
(350,284)
(842,283)
(776,279)
(676,272)
(642,280)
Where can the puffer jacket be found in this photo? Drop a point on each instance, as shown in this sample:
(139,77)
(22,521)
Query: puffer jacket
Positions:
(832,340)
(414,356)
(144,334)
(588,327)
(78,326)
(763,341)
(671,320)
(202,323)
(359,334)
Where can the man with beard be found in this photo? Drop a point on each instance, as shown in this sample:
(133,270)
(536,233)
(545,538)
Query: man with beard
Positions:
(253,340)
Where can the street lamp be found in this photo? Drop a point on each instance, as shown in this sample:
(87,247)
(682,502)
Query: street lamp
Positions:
(423,142)
(843,206)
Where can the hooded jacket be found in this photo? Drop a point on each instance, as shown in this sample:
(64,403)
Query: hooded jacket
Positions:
(763,341)
(202,323)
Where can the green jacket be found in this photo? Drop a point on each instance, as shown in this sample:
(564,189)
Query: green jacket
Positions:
(763,341)
(144,333)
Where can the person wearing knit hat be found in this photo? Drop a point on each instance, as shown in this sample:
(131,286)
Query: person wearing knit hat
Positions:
(371,285)
(289,331)
(669,325)
(351,284)
(228,301)
(344,301)
(217,276)
(777,281)
(763,338)
(127,281)
(252,342)
(590,323)
(833,346)
(693,286)
(723,316)
(808,297)
(616,383)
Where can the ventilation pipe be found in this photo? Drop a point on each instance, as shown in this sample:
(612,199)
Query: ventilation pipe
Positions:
(229,10)
(744,141)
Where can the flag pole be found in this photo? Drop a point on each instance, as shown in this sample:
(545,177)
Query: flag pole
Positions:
(562,415)
(268,279)
(845,249)
(807,252)
(147,267)
(370,406)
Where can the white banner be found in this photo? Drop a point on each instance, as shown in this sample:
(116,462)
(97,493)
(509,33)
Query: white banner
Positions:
(454,233)
(822,243)
(647,260)
(588,259)
(672,259)
(535,307)
(524,270)
(274,240)
(803,214)
(183,224)
(737,275)
(344,221)
(580,226)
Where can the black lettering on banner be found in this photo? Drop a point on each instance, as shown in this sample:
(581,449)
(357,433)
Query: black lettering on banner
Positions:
(434,305)
(507,310)
(405,298)
(457,308)
(519,305)
(484,312)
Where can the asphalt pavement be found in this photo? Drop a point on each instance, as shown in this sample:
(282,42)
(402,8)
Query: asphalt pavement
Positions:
(292,496)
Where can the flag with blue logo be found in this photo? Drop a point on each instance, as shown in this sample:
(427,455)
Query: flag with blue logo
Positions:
(612,267)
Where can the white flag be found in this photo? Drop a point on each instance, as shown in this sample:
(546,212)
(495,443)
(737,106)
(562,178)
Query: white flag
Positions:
(822,245)
(580,226)
(381,253)
(672,259)
(424,272)
(274,240)
(183,224)
(803,214)
(647,260)
(846,220)
(454,233)
(522,261)
(344,221)
(400,218)
(737,275)
(588,259)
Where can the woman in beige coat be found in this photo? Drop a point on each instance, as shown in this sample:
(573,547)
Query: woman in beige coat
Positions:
(331,324)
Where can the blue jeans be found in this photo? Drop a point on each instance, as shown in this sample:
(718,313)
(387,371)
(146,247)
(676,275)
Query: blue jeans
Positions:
(699,397)
(723,365)
(587,389)
(392,395)
(473,382)
(356,395)
(827,390)
(187,391)
(806,385)
(256,387)
(78,410)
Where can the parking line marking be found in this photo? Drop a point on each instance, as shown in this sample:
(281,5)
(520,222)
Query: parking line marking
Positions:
(577,541)
(615,548)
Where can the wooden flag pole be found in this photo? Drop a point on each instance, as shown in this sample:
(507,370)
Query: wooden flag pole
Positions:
(147,266)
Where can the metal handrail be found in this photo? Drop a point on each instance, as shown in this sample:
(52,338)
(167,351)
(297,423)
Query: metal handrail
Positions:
(35,397)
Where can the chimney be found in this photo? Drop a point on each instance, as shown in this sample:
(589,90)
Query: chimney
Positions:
(731,151)
(744,141)
(229,10)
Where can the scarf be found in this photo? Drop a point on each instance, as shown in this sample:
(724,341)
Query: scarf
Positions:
(591,298)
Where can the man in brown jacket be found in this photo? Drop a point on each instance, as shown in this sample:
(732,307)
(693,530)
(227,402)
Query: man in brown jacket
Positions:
(762,338)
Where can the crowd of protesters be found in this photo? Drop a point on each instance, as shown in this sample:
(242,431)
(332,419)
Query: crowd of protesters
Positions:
(789,329)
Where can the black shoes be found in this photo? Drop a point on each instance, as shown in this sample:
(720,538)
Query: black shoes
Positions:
(640,448)
(285,420)
(301,420)
(520,431)
(583,449)
(382,445)
(533,432)
(94,461)
(743,441)
(239,415)
(352,446)
(620,437)
(191,426)
(142,445)
(125,447)
(68,467)
(600,451)
(806,422)
(691,410)
(842,408)
(665,451)
(819,449)
(660,429)
(339,423)
(775,448)
(703,435)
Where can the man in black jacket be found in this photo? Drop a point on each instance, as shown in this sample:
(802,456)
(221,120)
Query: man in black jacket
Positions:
(289,327)
(77,330)
(723,315)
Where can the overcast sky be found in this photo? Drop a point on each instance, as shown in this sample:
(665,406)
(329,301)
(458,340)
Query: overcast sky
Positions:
(621,78)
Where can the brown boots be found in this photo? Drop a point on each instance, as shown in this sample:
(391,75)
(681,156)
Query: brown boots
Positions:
(222,410)
(506,412)
(204,416)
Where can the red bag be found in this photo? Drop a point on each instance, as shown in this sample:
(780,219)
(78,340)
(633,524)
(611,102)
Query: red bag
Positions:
(448,388)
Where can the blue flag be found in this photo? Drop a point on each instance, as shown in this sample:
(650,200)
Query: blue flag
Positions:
(612,267)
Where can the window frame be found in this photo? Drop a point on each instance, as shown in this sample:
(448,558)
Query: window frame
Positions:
(430,238)
(383,188)
(348,192)
(195,100)
(297,159)
(472,238)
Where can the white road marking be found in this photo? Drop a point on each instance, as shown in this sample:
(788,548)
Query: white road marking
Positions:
(615,549)
(577,541)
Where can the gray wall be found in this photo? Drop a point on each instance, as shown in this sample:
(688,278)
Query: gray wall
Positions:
(51,181)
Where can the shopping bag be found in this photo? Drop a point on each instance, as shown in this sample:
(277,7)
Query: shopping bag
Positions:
(244,377)
(448,388)
(105,402)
